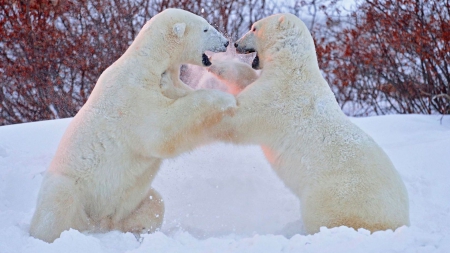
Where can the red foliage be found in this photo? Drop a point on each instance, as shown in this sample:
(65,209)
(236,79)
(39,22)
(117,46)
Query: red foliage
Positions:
(389,56)
(393,57)
(52,53)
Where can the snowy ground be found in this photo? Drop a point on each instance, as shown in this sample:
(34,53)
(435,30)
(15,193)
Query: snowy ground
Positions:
(224,198)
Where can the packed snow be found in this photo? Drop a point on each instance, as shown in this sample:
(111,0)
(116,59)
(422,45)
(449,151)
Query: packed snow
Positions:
(225,198)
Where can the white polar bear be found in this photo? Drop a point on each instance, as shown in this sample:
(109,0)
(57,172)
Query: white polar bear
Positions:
(339,173)
(100,178)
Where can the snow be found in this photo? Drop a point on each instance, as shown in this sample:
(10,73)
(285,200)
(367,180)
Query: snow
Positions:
(225,198)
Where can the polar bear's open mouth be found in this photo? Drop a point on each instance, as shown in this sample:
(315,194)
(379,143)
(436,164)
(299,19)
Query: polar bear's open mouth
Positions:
(255,62)
(205,60)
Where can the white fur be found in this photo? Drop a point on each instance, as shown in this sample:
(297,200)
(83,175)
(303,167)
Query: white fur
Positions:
(340,174)
(100,178)
(235,73)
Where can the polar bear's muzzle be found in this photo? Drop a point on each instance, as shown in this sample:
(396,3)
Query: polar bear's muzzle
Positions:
(206,60)
(243,50)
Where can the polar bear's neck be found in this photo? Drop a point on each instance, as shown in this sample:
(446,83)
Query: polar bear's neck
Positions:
(298,71)
(292,54)
(148,54)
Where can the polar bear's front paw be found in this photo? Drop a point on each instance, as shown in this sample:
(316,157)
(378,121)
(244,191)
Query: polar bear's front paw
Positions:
(224,102)
(218,101)
(168,86)
(166,79)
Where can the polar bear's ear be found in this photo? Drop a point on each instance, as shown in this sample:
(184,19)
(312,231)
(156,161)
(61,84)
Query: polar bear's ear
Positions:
(283,23)
(178,29)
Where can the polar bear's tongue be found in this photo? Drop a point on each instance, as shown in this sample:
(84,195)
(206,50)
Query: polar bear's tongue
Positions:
(255,63)
(205,60)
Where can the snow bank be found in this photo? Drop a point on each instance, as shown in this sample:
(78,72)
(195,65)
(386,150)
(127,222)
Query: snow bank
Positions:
(224,198)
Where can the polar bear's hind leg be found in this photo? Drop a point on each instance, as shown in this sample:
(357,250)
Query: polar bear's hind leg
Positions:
(147,217)
(58,209)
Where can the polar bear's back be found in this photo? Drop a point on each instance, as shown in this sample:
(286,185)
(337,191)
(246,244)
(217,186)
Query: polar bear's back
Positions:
(355,184)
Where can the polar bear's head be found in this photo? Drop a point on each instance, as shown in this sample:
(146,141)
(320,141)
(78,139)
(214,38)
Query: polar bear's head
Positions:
(187,37)
(281,35)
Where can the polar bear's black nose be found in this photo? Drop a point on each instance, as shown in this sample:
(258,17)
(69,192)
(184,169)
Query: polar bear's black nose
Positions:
(226,44)
(236,45)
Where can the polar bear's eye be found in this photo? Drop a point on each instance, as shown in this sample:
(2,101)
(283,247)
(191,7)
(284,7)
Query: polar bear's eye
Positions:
(254,29)
(206,29)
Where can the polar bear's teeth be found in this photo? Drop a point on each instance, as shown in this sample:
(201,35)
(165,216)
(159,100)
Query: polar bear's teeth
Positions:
(205,60)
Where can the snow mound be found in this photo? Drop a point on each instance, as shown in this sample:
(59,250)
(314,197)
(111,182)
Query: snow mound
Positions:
(225,198)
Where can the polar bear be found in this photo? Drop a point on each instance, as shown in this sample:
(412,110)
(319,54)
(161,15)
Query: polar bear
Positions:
(339,173)
(100,177)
